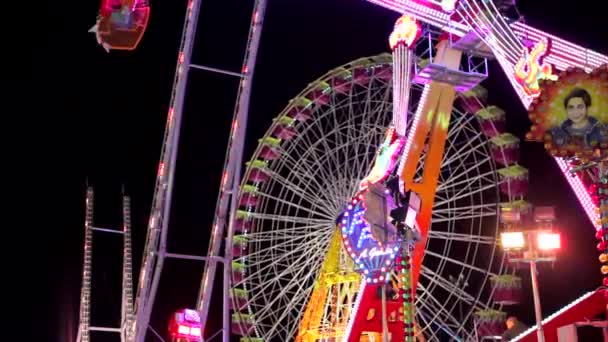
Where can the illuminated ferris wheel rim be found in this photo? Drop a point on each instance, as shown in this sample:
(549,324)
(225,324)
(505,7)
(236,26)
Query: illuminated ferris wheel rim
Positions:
(324,222)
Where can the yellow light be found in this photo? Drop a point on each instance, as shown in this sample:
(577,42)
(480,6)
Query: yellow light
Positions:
(603,257)
(548,241)
(407,30)
(512,240)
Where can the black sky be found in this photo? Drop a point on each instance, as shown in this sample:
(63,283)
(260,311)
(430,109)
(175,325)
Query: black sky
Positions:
(106,116)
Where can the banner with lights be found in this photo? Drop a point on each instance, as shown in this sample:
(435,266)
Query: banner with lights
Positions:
(368,236)
(571,114)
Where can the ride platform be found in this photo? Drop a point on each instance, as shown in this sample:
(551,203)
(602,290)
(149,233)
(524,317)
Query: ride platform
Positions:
(471,44)
(579,312)
(471,72)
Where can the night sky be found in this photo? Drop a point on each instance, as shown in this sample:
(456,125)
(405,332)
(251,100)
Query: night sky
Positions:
(107,114)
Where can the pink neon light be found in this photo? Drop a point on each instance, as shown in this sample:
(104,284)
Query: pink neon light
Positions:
(581,193)
(563,55)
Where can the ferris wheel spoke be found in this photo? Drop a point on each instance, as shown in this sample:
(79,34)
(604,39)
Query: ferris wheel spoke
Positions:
(293,205)
(444,214)
(428,301)
(262,253)
(463,183)
(465,167)
(463,152)
(295,189)
(438,314)
(328,176)
(472,191)
(366,104)
(451,236)
(300,295)
(304,250)
(476,208)
(284,241)
(448,286)
(307,221)
(423,317)
(329,151)
(431,328)
(471,160)
(293,233)
(340,137)
(370,152)
(463,217)
(454,261)
(296,281)
(307,174)
(458,123)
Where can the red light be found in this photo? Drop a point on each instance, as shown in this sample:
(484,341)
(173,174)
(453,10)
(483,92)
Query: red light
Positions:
(170,117)
(181,57)
(224,179)
(161,169)
(549,241)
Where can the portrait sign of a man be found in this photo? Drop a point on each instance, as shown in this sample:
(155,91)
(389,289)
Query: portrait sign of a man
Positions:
(571,114)
(579,128)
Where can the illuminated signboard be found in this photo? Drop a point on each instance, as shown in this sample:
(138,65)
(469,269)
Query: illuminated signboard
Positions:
(531,67)
(571,115)
(368,236)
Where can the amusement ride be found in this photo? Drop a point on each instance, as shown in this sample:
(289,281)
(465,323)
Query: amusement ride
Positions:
(373,206)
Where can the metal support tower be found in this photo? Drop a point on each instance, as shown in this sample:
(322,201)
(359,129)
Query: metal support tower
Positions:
(227,199)
(155,250)
(126,319)
(85,291)
(127,274)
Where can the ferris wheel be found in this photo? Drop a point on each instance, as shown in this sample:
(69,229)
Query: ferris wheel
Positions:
(308,166)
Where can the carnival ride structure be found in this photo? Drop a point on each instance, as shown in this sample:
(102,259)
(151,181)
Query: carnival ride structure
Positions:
(286,274)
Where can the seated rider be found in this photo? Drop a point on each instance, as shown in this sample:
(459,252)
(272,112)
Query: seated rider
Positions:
(122,17)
